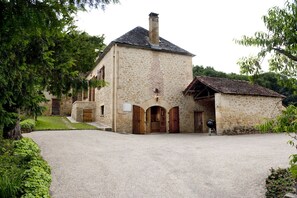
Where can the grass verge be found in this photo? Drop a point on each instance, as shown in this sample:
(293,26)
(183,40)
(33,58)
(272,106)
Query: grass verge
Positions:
(59,123)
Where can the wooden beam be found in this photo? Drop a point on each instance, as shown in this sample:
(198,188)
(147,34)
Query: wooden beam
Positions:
(205,97)
(200,92)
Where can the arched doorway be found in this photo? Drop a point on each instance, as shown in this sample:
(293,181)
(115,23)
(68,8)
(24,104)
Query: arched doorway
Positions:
(156,119)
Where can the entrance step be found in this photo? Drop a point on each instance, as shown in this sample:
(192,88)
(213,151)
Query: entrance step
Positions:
(100,126)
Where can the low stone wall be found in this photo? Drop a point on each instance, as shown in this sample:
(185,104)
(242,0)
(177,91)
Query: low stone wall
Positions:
(240,130)
(239,114)
(78,108)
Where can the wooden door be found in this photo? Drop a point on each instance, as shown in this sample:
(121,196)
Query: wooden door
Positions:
(174,120)
(138,120)
(162,120)
(87,115)
(55,107)
(198,122)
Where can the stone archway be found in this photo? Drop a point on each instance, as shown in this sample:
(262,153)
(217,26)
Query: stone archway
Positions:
(156,119)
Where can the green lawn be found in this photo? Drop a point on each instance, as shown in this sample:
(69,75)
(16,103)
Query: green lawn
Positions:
(59,123)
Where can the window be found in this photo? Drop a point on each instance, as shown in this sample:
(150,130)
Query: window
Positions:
(102,110)
(92,91)
(101,75)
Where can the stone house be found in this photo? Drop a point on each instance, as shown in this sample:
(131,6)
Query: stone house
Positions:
(150,88)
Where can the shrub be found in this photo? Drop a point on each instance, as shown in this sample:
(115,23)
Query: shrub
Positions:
(279,182)
(23,172)
(36,182)
(10,170)
(27,125)
(10,182)
(26,148)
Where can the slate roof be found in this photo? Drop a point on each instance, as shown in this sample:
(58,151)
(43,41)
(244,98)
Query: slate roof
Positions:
(139,37)
(229,86)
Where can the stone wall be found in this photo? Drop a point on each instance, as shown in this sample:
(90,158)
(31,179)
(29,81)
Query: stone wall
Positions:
(65,104)
(79,106)
(104,96)
(237,114)
(140,71)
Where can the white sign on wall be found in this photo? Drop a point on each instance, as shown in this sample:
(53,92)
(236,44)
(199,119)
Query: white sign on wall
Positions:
(127,107)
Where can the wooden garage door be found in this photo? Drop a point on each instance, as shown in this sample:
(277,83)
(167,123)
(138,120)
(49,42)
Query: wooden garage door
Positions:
(87,115)
(55,107)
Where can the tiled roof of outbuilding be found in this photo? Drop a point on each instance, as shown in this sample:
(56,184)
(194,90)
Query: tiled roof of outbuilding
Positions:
(230,86)
(139,37)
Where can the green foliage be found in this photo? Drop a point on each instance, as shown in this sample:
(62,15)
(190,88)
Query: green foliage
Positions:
(27,125)
(10,171)
(278,183)
(36,182)
(23,172)
(293,163)
(26,148)
(266,127)
(286,122)
(10,182)
(39,162)
(210,71)
(41,50)
(279,42)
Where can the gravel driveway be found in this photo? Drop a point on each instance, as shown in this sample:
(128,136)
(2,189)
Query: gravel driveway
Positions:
(106,164)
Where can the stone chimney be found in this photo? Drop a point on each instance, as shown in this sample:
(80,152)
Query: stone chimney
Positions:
(154,28)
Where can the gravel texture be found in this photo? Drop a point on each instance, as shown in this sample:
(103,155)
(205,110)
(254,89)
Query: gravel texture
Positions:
(106,164)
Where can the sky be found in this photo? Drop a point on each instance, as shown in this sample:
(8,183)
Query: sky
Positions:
(206,28)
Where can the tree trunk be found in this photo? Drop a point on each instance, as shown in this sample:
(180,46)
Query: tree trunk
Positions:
(14,132)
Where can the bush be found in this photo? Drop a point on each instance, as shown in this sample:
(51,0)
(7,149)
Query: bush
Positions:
(10,182)
(26,148)
(23,172)
(36,182)
(10,170)
(279,182)
(27,125)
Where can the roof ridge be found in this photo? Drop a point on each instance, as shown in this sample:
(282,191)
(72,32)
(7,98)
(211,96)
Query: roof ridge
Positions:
(234,86)
(138,37)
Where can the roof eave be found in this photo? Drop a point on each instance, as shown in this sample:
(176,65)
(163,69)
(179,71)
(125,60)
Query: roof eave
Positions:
(154,49)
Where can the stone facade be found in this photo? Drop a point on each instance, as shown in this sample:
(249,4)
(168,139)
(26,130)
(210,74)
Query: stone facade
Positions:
(147,76)
(79,106)
(65,105)
(239,114)
(132,75)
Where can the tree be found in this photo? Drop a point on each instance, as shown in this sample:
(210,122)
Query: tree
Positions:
(279,42)
(34,55)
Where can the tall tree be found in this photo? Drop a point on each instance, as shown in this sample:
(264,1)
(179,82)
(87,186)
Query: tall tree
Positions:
(32,56)
(279,42)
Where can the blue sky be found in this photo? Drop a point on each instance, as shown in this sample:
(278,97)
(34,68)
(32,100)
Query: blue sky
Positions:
(204,28)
